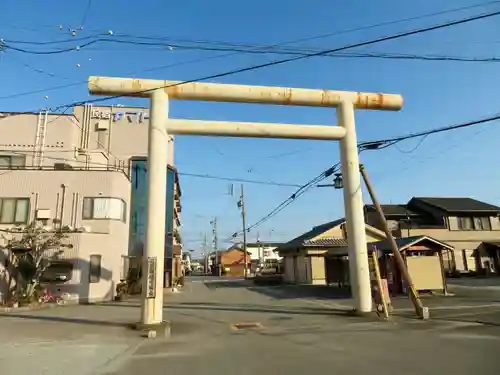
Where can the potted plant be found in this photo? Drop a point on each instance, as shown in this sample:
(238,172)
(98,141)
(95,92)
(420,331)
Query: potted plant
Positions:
(14,302)
(122,291)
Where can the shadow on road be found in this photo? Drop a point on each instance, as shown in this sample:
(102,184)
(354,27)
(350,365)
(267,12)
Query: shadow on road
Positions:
(66,320)
(311,292)
(285,291)
(177,328)
(211,306)
(254,309)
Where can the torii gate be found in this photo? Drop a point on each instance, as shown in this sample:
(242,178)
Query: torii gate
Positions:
(160,126)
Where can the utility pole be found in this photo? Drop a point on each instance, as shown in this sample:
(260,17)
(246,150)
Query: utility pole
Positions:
(241,205)
(259,251)
(215,246)
(205,251)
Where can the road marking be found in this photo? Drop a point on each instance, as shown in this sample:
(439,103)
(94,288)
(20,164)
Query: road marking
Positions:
(238,327)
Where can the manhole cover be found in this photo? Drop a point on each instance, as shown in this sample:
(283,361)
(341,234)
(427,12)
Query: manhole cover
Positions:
(246,326)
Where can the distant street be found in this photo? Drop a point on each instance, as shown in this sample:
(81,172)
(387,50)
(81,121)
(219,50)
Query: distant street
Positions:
(290,330)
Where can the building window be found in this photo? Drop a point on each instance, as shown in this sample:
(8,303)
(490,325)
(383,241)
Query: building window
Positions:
(95,268)
(14,210)
(104,208)
(12,161)
(465,223)
(58,272)
(474,223)
(482,223)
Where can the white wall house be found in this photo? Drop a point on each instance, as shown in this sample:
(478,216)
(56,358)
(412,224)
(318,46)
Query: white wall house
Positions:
(262,252)
(74,170)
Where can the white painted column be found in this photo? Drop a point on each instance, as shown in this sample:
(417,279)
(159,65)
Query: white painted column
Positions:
(152,308)
(353,204)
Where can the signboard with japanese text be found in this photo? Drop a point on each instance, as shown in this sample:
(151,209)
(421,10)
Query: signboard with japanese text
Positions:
(151,278)
(130,116)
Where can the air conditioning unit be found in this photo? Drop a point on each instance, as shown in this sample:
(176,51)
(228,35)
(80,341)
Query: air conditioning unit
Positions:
(43,214)
(62,166)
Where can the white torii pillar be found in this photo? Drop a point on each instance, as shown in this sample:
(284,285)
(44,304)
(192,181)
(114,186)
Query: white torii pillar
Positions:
(159,126)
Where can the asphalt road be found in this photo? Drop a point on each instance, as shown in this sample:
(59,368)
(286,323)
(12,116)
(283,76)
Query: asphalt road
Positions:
(297,330)
(224,326)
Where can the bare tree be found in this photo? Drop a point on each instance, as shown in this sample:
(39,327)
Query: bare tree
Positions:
(31,250)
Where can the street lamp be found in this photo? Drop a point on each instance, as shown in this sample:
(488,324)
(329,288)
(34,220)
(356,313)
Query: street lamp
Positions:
(338,182)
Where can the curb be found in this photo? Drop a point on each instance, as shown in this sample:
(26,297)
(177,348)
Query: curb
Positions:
(27,308)
(36,307)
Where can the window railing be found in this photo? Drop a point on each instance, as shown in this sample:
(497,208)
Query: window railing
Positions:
(69,167)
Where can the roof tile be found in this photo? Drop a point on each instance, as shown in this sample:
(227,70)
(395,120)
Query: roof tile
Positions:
(457,204)
(326,241)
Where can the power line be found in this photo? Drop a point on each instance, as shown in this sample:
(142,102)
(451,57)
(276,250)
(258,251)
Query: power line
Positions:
(363,146)
(355,29)
(298,58)
(86,13)
(231,179)
(292,198)
(400,35)
(304,39)
(376,55)
(76,83)
(268,49)
(185,174)
(51,52)
(277,62)
(368,145)
(40,71)
(384,143)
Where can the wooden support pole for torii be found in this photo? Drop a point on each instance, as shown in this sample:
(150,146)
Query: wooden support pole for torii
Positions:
(380,286)
(422,312)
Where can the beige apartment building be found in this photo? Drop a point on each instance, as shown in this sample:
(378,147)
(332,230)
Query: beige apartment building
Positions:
(75,170)
(470,226)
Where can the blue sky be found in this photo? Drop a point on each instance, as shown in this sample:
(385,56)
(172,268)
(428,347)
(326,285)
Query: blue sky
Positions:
(460,163)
